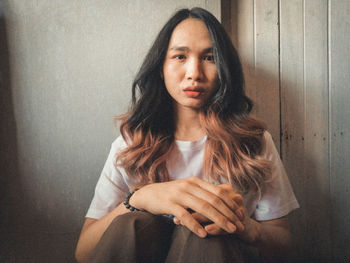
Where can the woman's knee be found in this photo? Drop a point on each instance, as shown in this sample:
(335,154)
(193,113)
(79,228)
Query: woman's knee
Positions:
(135,219)
(186,246)
(145,237)
(134,237)
(141,222)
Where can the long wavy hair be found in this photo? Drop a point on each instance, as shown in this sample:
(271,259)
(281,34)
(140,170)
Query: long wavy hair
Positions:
(234,139)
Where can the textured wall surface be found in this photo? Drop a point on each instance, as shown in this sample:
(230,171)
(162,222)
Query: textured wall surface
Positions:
(296,60)
(66,70)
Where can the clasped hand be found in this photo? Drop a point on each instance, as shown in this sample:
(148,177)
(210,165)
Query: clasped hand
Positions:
(219,207)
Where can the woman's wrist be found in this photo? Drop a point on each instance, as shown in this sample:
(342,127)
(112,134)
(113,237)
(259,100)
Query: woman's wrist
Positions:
(258,233)
(133,200)
(252,234)
(127,203)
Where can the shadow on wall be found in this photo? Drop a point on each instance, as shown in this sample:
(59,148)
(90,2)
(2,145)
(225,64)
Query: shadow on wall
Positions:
(21,238)
(9,184)
(8,139)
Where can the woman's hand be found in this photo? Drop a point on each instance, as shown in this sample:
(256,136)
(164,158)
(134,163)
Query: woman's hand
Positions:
(215,203)
(249,233)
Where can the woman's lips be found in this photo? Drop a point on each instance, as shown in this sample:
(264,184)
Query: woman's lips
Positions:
(192,93)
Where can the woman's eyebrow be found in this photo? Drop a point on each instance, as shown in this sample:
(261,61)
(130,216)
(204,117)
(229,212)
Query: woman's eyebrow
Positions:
(184,48)
(208,50)
(180,48)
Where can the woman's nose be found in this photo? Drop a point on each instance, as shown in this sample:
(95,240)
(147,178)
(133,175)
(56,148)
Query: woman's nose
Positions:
(194,70)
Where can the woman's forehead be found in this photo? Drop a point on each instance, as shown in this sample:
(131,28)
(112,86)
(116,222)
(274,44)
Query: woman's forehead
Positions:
(190,32)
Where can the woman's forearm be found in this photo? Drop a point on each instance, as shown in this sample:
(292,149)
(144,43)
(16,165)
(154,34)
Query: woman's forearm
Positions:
(93,230)
(274,241)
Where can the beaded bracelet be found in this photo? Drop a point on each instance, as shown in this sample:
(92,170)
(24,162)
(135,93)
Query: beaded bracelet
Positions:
(127,205)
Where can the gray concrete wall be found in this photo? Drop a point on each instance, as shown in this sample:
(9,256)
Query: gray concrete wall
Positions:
(66,70)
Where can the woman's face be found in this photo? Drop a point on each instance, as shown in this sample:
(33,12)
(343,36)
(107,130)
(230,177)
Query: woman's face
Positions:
(189,71)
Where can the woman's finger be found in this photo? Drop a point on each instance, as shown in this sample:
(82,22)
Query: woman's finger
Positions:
(237,198)
(200,218)
(180,195)
(212,207)
(188,221)
(176,221)
(225,192)
(215,230)
(205,208)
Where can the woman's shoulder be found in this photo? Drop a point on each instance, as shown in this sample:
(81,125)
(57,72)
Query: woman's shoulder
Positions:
(118,144)
(267,136)
(269,145)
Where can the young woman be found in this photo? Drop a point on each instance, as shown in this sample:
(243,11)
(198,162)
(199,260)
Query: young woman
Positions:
(204,173)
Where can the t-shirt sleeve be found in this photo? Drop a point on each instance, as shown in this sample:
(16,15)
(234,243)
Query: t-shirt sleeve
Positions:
(111,187)
(277,198)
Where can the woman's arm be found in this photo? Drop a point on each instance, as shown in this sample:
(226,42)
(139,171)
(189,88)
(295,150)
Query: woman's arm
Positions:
(93,230)
(272,237)
(174,198)
(178,197)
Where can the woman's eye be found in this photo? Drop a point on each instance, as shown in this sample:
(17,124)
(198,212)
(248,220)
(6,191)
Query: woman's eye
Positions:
(209,58)
(181,57)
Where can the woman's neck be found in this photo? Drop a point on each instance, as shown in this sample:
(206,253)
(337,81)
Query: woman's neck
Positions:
(187,124)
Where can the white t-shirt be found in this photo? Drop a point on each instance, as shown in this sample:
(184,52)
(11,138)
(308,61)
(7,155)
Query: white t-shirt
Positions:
(186,160)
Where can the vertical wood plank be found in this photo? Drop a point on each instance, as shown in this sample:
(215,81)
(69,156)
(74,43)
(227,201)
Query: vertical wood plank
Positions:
(243,33)
(317,198)
(254,27)
(304,86)
(293,109)
(340,127)
(267,94)
(314,76)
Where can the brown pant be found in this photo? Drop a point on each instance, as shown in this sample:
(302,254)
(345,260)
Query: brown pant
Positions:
(143,237)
